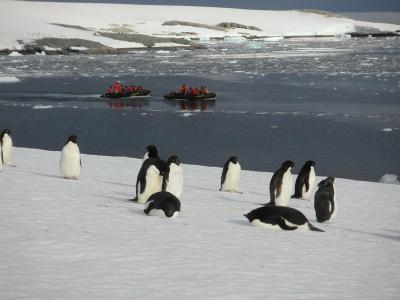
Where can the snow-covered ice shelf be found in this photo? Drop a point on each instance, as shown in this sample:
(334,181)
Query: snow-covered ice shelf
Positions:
(65,239)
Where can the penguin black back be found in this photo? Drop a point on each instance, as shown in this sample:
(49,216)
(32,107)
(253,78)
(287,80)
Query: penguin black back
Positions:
(165,201)
(280,216)
(162,167)
(324,200)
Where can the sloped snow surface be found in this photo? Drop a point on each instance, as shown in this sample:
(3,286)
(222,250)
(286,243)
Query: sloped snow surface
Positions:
(68,239)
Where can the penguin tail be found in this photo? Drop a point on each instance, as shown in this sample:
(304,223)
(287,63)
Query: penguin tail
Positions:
(313,228)
(245,215)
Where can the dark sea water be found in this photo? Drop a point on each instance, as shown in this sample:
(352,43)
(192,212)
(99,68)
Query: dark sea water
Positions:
(336,101)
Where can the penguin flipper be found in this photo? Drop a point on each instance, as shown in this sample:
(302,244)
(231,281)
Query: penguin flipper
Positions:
(313,228)
(282,224)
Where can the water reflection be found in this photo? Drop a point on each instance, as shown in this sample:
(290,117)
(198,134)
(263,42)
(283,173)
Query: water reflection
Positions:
(128,103)
(192,105)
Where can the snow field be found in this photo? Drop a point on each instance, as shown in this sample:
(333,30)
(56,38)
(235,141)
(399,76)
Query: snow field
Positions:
(72,239)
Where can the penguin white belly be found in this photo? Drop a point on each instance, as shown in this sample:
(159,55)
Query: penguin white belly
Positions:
(153,184)
(175,181)
(303,227)
(333,215)
(70,162)
(286,190)
(161,213)
(311,180)
(1,161)
(232,178)
(7,148)
(146,156)
(258,223)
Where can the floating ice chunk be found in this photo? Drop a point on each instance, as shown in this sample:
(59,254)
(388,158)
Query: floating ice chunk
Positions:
(42,106)
(187,115)
(387,129)
(273,39)
(15,53)
(390,179)
(40,53)
(204,39)
(235,39)
(10,79)
(163,51)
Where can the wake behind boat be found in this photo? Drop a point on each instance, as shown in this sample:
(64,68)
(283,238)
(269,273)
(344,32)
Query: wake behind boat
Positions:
(189,93)
(118,91)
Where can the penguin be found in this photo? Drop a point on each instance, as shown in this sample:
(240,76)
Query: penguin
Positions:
(163,204)
(6,146)
(70,162)
(175,180)
(151,152)
(1,159)
(280,187)
(325,200)
(283,217)
(230,175)
(305,181)
(152,178)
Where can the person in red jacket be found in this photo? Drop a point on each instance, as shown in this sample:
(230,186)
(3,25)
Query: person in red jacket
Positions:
(195,91)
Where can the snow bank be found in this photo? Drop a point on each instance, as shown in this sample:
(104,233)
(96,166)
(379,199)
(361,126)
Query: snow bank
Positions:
(75,239)
(30,20)
(15,53)
(9,79)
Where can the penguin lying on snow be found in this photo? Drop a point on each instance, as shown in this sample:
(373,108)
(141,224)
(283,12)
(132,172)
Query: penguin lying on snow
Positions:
(175,180)
(70,161)
(152,178)
(6,146)
(305,181)
(283,217)
(280,186)
(231,175)
(163,204)
(325,200)
(152,152)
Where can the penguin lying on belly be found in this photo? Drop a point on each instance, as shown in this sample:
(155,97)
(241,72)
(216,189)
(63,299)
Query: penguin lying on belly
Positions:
(285,218)
(163,204)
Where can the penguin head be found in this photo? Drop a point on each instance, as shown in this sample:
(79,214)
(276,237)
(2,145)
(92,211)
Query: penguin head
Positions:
(73,139)
(5,131)
(287,164)
(309,163)
(152,151)
(326,182)
(233,159)
(174,160)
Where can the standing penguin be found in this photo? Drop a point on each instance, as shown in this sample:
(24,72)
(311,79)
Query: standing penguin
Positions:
(305,181)
(70,162)
(175,180)
(285,218)
(163,204)
(231,175)
(152,152)
(280,187)
(325,200)
(152,178)
(6,146)
(1,159)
